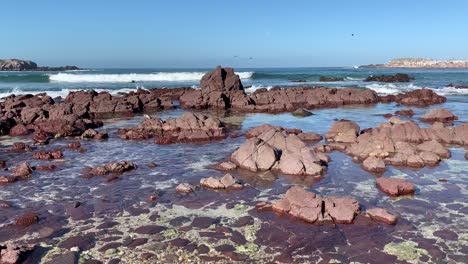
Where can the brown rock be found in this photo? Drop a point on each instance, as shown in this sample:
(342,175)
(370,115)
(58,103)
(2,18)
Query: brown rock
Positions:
(226,182)
(13,254)
(406,112)
(399,77)
(310,137)
(420,97)
(48,155)
(438,115)
(343,131)
(395,187)
(374,164)
(27,219)
(24,170)
(74,145)
(186,188)
(381,215)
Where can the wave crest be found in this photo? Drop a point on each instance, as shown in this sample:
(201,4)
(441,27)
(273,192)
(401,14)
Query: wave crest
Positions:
(134,77)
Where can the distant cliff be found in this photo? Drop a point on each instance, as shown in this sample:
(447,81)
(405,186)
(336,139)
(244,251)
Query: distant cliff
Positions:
(421,63)
(25,65)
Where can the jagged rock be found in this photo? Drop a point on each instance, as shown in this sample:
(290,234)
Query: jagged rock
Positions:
(381,215)
(12,254)
(343,131)
(74,145)
(185,188)
(374,164)
(27,219)
(301,112)
(48,155)
(24,170)
(312,208)
(420,97)
(226,182)
(113,167)
(277,150)
(438,115)
(93,134)
(395,187)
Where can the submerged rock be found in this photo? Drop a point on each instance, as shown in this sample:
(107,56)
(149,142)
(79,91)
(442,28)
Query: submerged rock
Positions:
(381,215)
(24,170)
(330,79)
(405,112)
(312,208)
(301,112)
(395,187)
(27,219)
(93,134)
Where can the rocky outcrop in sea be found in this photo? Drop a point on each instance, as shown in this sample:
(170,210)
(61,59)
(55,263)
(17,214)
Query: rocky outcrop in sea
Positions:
(27,65)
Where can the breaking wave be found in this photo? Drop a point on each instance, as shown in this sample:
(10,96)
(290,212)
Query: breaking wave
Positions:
(391,88)
(134,77)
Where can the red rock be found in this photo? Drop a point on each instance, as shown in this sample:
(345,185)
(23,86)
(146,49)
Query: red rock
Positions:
(48,155)
(263,206)
(27,219)
(311,208)
(399,77)
(374,164)
(41,137)
(74,145)
(113,167)
(151,165)
(420,97)
(343,131)
(19,130)
(438,115)
(226,182)
(395,187)
(387,115)
(310,137)
(24,170)
(93,134)
(46,167)
(381,215)
(185,188)
(227,165)
(406,112)
(12,254)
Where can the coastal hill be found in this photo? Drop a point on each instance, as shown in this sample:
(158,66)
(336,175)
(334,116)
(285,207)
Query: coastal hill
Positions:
(421,63)
(26,65)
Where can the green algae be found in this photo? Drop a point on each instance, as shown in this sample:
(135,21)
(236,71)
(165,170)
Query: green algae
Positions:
(406,250)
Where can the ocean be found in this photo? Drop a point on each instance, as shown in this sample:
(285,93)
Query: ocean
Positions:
(124,80)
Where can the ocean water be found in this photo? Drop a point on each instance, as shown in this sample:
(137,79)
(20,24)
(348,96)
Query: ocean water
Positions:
(122,80)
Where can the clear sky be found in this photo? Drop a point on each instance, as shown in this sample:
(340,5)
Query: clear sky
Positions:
(204,33)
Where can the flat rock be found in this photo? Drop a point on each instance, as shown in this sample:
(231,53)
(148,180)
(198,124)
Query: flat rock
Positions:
(381,215)
(395,187)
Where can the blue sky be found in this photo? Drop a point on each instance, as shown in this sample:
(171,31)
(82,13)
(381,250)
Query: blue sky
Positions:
(177,33)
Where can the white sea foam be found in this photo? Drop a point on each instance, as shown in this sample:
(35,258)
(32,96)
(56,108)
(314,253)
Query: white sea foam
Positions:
(391,88)
(64,92)
(451,91)
(254,88)
(137,77)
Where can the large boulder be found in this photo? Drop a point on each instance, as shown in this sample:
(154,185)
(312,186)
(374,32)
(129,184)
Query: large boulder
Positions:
(420,97)
(395,187)
(438,115)
(275,149)
(312,208)
(399,77)
(343,131)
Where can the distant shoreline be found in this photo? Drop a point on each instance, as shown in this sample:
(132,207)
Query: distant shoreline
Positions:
(416,63)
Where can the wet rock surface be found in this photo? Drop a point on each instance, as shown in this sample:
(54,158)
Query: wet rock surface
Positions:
(395,187)
(399,77)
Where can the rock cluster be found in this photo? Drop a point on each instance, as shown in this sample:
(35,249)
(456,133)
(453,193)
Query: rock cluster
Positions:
(22,171)
(304,136)
(399,77)
(311,208)
(26,65)
(399,143)
(187,128)
(275,149)
(330,79)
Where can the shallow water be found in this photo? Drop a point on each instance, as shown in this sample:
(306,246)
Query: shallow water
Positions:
(433,225)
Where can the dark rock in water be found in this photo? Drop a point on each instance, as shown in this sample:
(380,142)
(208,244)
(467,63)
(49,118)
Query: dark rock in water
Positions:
(395,187)
(152,165)
(137,242)
(50,167)
(113,167)
(298,81)
(438,115)
(204,222)
(93,134)
(331,79)
(20,146)
(399,77)
(27,219)
(185,188)
(48,155)
(387,115)
(83,242)
(65,258)
(466,155)
(420,97)
(42,137)
(406,112)
(74,145)
(19,130)
(301,113)
(149,229)
(457,86)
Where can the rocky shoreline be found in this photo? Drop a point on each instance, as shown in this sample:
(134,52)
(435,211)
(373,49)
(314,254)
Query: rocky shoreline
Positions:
(421,64)
(225,215)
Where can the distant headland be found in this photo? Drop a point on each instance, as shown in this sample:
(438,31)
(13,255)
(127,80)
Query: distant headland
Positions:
(26,65)
(421,63)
